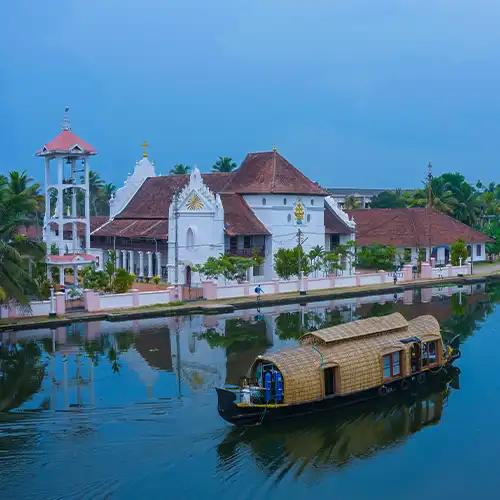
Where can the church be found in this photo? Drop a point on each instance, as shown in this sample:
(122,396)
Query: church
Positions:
(166,224)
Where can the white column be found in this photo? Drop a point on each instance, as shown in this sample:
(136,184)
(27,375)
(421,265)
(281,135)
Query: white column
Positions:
(141,264)
(87,206)
(61,275)
(47,235)
(124,259)
(59,215)
(131,261)
(150,264)
(75,275)
(158,263)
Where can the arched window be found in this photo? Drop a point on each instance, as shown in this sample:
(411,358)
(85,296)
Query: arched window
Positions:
(284,201)
(190,238)
(289,217)
(312,201)
(308,217)
(264,201)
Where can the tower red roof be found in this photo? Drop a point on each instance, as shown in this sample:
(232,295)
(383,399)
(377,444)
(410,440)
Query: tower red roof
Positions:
(66,142)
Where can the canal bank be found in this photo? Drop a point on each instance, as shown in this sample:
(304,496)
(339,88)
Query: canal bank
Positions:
(229,305)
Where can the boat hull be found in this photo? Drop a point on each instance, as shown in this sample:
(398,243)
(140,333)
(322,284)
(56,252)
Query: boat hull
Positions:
(254,415)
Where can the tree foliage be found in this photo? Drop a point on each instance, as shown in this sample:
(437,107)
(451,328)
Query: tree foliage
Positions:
(180,169)
(224,164)
(376,257)
(231,267)
(458,250)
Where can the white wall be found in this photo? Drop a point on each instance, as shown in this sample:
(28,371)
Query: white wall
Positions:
(274,215)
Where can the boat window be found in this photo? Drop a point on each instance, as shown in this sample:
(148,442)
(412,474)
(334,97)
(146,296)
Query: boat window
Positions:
(392,364)
(429,353)
(329,375)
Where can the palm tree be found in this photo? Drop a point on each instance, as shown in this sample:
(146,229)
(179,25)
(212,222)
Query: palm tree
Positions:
(19,201)
(351,203)
(96,185)
(443,198)
(224,164)
(180,169)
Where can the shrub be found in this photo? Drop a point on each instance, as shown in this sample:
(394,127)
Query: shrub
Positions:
(288,262)
(156,279)
(458,250)
(123,281)
(376,257)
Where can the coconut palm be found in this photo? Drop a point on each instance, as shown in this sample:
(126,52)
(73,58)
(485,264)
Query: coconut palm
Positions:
(443,198)
(180,169)
(224,164)
(352,203)
(19,201)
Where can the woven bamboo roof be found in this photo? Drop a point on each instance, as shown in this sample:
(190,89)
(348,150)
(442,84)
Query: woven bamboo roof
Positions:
(358,356)
(357,329)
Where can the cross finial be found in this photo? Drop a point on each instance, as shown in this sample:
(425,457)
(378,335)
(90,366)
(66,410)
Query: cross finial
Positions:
(275,149)
(145,146)
(66,125)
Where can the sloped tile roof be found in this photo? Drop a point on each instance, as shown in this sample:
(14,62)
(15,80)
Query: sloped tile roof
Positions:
(65,142)
(269,172)
(238,218)
(333,224)
(409,227)
(153,198)
(135,228)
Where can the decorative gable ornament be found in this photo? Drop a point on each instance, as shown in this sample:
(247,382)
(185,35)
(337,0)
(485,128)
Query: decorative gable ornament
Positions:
(194,202)
(299,212)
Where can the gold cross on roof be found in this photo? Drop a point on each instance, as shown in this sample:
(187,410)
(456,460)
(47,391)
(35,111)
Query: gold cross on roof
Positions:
(145,146)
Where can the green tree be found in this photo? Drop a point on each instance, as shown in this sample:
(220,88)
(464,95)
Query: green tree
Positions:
(180,169)
(224,164)
(388,199)
(231,267)
(352,203)
(289,261)
(376,257)
(493,231)
(458,250)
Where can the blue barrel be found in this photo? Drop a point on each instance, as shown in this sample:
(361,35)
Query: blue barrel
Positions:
(267,387)
(279,387)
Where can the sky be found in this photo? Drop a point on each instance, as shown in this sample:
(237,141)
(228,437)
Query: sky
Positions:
(357,93)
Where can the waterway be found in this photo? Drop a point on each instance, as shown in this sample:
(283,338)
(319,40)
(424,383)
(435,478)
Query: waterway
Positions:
(128,410)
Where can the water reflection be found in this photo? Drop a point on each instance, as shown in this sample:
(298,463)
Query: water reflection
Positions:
(89,364)
(331,440)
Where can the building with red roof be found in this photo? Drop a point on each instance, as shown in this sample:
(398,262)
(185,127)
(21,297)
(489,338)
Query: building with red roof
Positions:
(411,230)
(157,221)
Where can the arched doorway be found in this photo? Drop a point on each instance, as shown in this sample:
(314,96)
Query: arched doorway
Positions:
(188,276)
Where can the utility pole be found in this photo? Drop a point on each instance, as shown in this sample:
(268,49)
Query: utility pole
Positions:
(429,206)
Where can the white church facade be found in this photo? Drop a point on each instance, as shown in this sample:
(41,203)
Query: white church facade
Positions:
(165,225)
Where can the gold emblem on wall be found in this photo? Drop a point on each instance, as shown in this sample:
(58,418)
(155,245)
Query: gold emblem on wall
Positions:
(194,202)
(298,212)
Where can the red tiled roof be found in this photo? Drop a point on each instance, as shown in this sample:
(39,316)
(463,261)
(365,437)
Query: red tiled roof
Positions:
(335,225)
(34,232)
(135,228)
(71,258)
(153,198)
(409,227)
(269,172)
(238,218)
(66,142)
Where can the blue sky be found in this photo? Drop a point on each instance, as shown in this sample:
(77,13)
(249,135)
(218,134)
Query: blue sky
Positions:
(354,93)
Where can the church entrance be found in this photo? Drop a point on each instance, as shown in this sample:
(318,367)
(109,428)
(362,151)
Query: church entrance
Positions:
(188,276)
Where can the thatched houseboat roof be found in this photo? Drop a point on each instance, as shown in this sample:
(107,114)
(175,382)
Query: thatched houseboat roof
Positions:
(356,348)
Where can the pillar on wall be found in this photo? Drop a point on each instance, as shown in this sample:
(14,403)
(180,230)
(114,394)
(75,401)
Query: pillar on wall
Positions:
(131,261)
(158,263)
(124,259)
(61,276)
(141,264)
(150,264)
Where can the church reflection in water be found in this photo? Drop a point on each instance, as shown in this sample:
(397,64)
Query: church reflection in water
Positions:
(105,363)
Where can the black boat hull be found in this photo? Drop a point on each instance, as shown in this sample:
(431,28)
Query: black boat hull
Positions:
(254,415)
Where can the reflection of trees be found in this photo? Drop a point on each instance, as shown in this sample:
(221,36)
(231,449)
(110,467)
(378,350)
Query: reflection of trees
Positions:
(381,309)
(333,439)
(464,317)
(21,374)
(289,325)
(238,336)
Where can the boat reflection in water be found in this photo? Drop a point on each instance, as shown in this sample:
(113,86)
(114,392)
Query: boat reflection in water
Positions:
(332,440)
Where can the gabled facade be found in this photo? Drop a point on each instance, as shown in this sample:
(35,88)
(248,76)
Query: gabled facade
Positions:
(165,225)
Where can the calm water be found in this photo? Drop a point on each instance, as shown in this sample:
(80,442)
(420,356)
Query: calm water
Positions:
(128,410)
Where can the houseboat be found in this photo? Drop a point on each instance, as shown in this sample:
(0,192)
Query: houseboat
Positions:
(338,366)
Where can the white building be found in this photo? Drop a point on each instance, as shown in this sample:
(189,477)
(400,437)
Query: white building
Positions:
(164,225)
